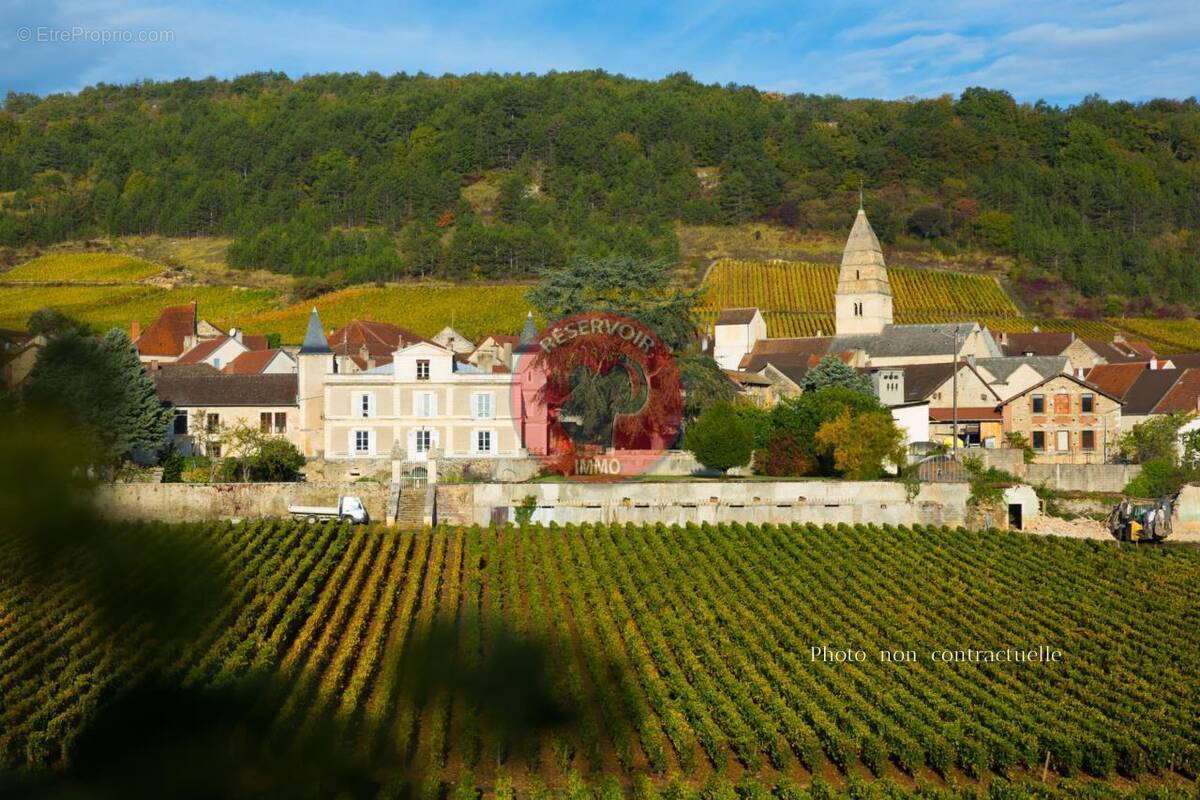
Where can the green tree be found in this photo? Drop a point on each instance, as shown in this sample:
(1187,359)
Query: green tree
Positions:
(51,322)
(832,371)
(704,384)
(101,386)
(641,289)
(720,439)
(864,444)
(1156,439)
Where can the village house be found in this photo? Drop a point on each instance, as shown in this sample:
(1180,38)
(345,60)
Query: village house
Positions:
(425,403)
(175,331)
(864,325)
(1065,420)
(18,353)
(1083,354)
(207,402)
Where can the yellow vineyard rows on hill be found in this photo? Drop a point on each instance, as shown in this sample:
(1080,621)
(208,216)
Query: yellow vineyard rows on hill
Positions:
(474,310)
(103,268)
(805,287)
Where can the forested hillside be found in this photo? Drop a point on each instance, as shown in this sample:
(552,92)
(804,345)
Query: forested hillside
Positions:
(366,177)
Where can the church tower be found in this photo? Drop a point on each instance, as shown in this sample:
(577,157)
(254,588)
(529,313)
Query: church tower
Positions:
(864,296)
(315,361)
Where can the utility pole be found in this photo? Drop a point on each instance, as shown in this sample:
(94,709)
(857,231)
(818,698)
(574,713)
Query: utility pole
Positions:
(954,390)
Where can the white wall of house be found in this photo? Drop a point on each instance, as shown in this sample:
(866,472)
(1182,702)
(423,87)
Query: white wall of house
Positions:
(731,342)
(281,364)
(224,355)
(913,419)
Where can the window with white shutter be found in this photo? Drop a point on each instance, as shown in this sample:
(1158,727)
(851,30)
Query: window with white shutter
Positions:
(425,404)
(481,405)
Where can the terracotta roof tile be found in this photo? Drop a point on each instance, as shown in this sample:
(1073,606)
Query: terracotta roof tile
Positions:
(380,338)
(1183,397)
(1116,378)
(167,334)
(736,316)
(251,362)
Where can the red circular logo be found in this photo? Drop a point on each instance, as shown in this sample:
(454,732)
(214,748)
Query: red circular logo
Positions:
(597,395)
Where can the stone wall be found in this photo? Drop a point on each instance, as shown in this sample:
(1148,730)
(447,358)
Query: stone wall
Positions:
(1185,526)
(678,502)
(195,502)
(1082,477)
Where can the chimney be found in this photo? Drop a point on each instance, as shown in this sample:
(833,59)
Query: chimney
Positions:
(1004,338)
(135,330)
(506,354)
(486,359)
(1154,363)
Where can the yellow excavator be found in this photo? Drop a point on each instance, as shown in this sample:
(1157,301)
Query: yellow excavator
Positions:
(1142,522)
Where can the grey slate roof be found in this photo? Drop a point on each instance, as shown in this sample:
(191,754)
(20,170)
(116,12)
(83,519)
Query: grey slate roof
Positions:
(196,388)
(897,341)
(529,332)
(1002,368)
(314,337)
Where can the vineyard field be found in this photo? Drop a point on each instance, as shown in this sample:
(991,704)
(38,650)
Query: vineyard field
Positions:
(682,652)
(807,287)
(797,299)
(475,310)
(86,268)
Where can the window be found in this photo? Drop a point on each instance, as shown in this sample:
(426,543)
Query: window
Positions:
(362,442)
(216,363)
(1039,440)
(264,422)
(1087,404)
(281,422)
(214,450)
(180,428)
(212,423)
(422,369)
(364,405)
(1087,440)
(1039,404)
(424,440)
(1062,404)
(1064,441)
(481,405)
(483,441)
(425,404)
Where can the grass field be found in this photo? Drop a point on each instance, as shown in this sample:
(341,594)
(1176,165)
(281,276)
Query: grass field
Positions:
(102,268)
(678,651)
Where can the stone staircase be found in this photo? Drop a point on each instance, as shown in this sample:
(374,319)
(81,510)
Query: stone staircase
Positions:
(410,512)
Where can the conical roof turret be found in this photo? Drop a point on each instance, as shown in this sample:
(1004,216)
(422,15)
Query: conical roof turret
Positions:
(314,338)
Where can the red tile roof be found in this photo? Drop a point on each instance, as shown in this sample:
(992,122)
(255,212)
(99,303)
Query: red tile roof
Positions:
(254,342)
(167,334)
(736,316)
(1116,378)
(1036,344)
(1183,397)
(251,362)
(202,350)
(380,338)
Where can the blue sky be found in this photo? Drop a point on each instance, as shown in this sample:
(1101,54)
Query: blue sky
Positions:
(1060,52)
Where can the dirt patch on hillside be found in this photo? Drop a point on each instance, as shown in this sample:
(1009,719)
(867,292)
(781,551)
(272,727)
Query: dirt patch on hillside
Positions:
(1078,528)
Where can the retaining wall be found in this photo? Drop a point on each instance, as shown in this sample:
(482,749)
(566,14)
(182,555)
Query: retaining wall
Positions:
(195,502)
(1082,477)
(679,502)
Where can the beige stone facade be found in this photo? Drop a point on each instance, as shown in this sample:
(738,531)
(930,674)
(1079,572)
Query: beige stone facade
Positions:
(1066,420)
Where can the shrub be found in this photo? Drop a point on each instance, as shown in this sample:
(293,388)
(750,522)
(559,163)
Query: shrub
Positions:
(720,438)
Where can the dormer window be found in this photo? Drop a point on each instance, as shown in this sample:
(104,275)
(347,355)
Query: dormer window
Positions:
(422,369)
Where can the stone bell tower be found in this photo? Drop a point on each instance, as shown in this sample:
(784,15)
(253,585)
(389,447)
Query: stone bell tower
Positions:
(864,296)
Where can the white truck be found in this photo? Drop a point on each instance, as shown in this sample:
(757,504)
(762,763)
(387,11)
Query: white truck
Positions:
(348,507)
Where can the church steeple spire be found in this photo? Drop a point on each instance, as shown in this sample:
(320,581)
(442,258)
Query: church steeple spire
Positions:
(864,295)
